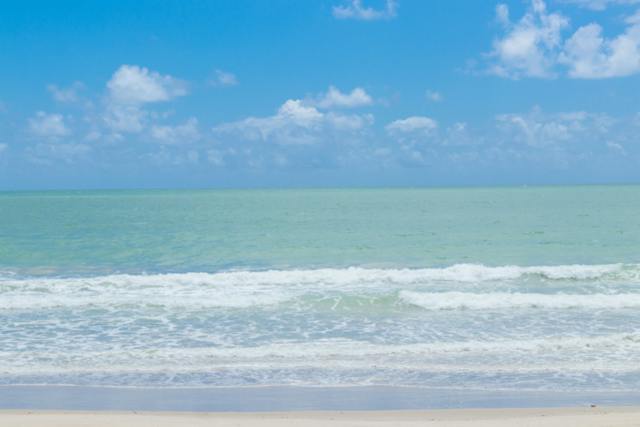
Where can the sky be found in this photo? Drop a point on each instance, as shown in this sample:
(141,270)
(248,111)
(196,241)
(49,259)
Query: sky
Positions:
(318,93)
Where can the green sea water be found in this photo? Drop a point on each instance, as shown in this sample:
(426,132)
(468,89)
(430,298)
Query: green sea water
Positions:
(179,231)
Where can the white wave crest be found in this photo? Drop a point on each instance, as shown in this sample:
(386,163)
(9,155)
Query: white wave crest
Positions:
(506,300)
(242,289)
(346,276)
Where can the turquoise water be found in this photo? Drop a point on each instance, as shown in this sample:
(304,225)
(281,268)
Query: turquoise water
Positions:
(499,288)
(180,231)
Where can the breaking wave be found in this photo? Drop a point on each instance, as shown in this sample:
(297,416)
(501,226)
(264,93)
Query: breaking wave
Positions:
(429,288)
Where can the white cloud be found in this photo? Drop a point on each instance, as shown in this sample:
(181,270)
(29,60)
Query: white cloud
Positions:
(358,97)
(459,134)
(354,9)
(129,89)
(589,55)
(433,96)
(131,84)
(502,14)
(186,132)
(412,124)
(599,4)
(348,122)
(48,125)
(3,148)
(125,118)
(534,46)
(530,46)
(537,129)
(68,94)
(295,123)
(223,78)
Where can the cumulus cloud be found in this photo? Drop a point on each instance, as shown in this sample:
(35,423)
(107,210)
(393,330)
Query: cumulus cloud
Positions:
(412,124)
(589,55)
(186,132)
(223,78)
(131,88)
(131,84)
(358,97)
(295,123)
(47,125)
(534,46)
(354,9)
(528,47)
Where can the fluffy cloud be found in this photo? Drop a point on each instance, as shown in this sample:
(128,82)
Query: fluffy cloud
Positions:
(354,9)
(131,84)
(46,125)
(412,124)
(129,90)
(529,47)
(186,132)
(296,124)
(223,78)
(358,97)
(535,47)
(589,55)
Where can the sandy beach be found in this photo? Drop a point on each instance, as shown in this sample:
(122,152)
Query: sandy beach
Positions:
(584,417)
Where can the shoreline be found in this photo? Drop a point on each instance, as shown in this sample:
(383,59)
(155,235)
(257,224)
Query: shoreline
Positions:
(548,417)
(295,398)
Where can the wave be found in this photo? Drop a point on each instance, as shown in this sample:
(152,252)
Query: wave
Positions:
(425,300)
(428,288)
(598,352)
(504,300)
(350,275)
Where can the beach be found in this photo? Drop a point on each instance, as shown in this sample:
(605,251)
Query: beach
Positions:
(584,417)
(320,213)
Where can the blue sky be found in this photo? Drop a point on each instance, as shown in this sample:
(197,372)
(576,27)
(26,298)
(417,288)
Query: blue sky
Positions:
(121,94)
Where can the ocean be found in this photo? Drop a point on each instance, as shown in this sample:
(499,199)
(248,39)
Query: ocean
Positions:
(511,289)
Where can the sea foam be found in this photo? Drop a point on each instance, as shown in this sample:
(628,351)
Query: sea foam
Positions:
(242,289)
